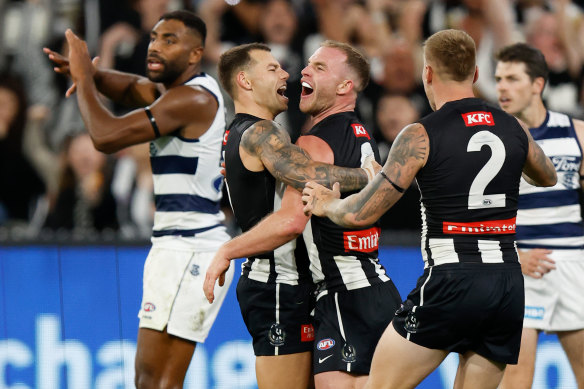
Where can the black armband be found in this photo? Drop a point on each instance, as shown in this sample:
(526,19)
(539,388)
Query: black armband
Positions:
(152,122)
(396,186)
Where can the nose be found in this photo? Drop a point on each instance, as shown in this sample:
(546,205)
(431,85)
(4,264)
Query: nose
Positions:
(304,71)
(285,74)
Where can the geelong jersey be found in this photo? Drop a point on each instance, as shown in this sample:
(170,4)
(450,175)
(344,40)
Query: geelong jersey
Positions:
(551,217)
(254,195)
(188,182)
(342,258)
(470,184)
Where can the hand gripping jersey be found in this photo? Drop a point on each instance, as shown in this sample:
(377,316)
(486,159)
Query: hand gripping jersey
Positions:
(551,217)
(470,184)
(254,195)
(343,258)
(188,182)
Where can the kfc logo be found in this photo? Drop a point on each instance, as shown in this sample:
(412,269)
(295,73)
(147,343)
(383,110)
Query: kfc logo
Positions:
(478,119)
(225,137)
(360,131)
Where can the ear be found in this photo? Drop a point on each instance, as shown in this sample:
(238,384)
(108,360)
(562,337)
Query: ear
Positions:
(476,75)
(345,87)
(428,74)
(539,84)
(243,81)
(196,55)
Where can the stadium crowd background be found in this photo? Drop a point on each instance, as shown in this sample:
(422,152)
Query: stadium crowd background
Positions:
(55,187)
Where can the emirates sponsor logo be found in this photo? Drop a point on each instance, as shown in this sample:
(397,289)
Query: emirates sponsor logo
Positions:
(225,137)
(365,241)
(360,131)
(307,333)
(480,228)
(479,118)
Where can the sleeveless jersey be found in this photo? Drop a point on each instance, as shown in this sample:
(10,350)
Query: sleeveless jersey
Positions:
(470,184)
(551,217)
(342,258)
(254,195)
(188,182)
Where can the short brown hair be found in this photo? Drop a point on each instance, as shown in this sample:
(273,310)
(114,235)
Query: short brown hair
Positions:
(356,61)
(452,53)
(234,60)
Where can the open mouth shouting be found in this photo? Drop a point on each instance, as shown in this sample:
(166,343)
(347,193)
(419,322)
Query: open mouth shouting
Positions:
(306,89)
(282,91)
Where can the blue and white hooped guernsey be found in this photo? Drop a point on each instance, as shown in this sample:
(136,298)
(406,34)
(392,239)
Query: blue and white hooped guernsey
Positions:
(188,183)
(551,217)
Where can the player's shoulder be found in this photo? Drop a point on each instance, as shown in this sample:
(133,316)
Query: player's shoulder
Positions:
(264,132)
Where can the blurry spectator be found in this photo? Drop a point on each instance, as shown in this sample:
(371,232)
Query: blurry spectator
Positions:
(132,187)
(84,203)
(402,74)
(20,185)
(558,39)
(123,45)
(394,112)
(278,26)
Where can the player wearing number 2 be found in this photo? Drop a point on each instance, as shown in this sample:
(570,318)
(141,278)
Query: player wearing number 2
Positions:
(467,157)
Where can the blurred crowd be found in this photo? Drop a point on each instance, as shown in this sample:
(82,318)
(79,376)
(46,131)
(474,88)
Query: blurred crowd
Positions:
(53,183)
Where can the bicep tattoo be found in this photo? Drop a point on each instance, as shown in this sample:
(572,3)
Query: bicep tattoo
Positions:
(291,164)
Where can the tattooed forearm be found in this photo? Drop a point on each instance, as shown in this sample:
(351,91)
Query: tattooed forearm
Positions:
(292,165)
(365,207)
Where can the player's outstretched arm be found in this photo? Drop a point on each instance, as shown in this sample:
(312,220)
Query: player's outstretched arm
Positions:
(538,169)
(407,156)
(127,89)
(292,165)
(270,233)
(179,108)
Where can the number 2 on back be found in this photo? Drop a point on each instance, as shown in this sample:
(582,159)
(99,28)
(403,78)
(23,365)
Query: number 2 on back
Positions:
(476,196)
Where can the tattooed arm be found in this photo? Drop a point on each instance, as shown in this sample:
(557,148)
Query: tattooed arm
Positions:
(538,169)
(407,156)
(292,165)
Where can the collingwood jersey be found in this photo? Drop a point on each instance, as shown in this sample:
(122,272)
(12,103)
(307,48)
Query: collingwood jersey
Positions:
(551,217)
(188,182)
(470,184)
(254,195)
(342,258)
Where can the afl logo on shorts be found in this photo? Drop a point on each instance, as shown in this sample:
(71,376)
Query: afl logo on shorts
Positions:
(277,335)
(325,344)
(149,307)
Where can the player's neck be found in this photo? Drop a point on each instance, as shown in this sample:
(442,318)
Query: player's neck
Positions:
(254,109)
(345,106)
(534,115)
(451,92)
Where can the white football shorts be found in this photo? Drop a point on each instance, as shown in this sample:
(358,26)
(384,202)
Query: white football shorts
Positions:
(173,294)
(555,302)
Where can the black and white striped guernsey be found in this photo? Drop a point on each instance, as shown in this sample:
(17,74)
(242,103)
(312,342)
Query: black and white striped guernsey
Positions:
(470,184)
(342,258)
(254,195)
